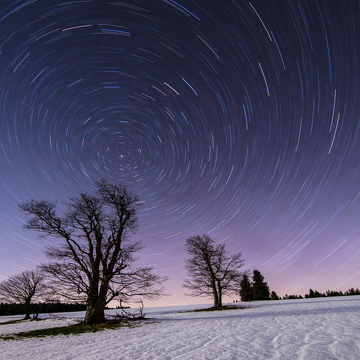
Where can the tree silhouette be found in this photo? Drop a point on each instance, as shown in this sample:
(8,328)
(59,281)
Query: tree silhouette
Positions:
(95,262)
(260,287)
(246,291)
(211,270)
(23,288)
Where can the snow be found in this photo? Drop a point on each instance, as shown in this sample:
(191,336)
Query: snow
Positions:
(323,328)
(28,325)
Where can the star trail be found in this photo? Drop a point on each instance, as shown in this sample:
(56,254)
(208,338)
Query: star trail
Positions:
(232,118)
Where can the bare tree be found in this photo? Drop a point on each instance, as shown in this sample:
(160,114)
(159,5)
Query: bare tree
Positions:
(211,270)
(23,288)
(95,263)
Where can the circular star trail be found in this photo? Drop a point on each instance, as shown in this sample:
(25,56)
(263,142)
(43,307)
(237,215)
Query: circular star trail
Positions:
(233,118)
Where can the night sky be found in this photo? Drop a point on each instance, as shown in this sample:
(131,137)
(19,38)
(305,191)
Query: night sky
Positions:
(232,118)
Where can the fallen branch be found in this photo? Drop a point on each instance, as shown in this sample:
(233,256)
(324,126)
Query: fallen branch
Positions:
(139,315)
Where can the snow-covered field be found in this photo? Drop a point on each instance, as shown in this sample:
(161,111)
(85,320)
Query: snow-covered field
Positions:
(324,328)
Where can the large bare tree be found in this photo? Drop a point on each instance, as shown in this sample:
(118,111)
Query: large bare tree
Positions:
(211,270)
(95,262)
(24,288)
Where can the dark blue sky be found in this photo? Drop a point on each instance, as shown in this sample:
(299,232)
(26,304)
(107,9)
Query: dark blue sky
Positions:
(233,118)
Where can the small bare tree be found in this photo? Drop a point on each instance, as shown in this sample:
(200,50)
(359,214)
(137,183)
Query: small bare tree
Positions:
(211,270)
(24,288)
(95,261)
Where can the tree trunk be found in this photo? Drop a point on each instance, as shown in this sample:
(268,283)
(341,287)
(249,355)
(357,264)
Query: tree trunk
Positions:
(215,293)
(27,310)
(95,311)
(219,291)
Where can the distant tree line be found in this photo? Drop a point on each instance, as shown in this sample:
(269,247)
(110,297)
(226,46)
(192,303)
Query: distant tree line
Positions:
(329,293)
(255,288)
(18,309)
(292,297)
